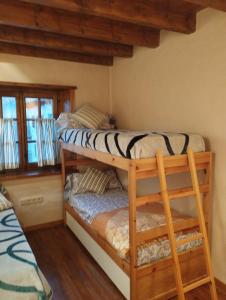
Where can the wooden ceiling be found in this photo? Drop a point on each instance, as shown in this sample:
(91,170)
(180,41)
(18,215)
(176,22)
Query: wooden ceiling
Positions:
(93,31)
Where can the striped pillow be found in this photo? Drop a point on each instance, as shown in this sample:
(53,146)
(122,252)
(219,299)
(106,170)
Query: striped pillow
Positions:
(89,117)
(94,180)
(4,203)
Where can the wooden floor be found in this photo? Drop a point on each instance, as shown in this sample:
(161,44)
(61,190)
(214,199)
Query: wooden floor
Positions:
(71,271)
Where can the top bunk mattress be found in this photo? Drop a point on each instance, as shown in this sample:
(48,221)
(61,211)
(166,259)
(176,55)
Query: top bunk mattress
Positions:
(133,144)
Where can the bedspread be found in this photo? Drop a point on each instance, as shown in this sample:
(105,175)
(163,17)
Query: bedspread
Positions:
(20,277)
(90,205)
(114,227)
(133,144)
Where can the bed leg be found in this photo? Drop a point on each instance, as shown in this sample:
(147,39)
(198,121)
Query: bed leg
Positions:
(65,217)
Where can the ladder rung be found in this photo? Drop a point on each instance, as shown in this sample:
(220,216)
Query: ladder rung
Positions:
(147,235)
(186,192)
(142,200)
(173,194)
(195,237)
(197,284)
(180,193)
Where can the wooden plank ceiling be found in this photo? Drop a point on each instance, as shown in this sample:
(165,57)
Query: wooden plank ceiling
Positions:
(93,31)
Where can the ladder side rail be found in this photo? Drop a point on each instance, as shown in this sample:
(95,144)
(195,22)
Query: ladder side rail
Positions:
(203,230)
(169,222)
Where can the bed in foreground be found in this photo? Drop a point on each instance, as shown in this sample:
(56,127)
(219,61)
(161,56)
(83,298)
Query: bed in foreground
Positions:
(20,277)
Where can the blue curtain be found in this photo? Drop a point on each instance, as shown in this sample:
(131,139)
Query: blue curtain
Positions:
(9,158)
(47,144)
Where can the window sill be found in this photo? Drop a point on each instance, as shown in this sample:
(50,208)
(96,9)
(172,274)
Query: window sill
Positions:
(12,175)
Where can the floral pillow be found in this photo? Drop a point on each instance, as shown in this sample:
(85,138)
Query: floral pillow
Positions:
(4,203)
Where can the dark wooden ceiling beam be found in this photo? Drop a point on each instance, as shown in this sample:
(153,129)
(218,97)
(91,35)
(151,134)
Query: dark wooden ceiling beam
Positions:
(217,4)
(55,54)
(38,38)
(36,86)
(18,14)
(146,13)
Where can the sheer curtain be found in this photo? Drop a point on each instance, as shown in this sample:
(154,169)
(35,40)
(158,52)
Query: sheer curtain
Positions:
(47,144)
(9,158)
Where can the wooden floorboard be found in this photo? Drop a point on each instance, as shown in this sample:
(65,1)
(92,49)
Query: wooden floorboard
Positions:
(72,272)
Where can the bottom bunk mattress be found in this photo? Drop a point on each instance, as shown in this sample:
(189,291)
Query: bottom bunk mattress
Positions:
(108,215)
(20,277)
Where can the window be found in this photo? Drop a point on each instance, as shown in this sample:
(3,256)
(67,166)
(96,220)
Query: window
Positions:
(37,106)
(9,111)
(27,127)
(9,154)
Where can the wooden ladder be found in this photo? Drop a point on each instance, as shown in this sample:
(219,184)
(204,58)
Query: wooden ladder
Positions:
(195,191)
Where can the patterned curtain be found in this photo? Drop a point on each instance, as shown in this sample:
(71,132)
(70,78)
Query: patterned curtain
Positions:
(47,144)
(9,158)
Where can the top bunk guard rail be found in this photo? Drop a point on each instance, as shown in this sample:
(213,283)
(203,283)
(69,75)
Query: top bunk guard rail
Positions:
(146,167)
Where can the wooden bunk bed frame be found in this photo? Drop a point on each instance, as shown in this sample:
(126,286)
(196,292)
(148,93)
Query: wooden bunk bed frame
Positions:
(155,280)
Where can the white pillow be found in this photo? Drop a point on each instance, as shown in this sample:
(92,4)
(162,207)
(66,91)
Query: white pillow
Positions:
(114,182)
(90,117)
(76,188)
(66,120)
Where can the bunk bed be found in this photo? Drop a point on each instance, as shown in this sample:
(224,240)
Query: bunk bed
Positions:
(155,280)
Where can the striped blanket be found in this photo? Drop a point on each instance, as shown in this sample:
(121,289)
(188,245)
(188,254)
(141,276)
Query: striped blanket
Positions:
(132,144)
(20,277)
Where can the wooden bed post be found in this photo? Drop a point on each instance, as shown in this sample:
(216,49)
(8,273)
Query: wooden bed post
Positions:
(132,229)
(62,155)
